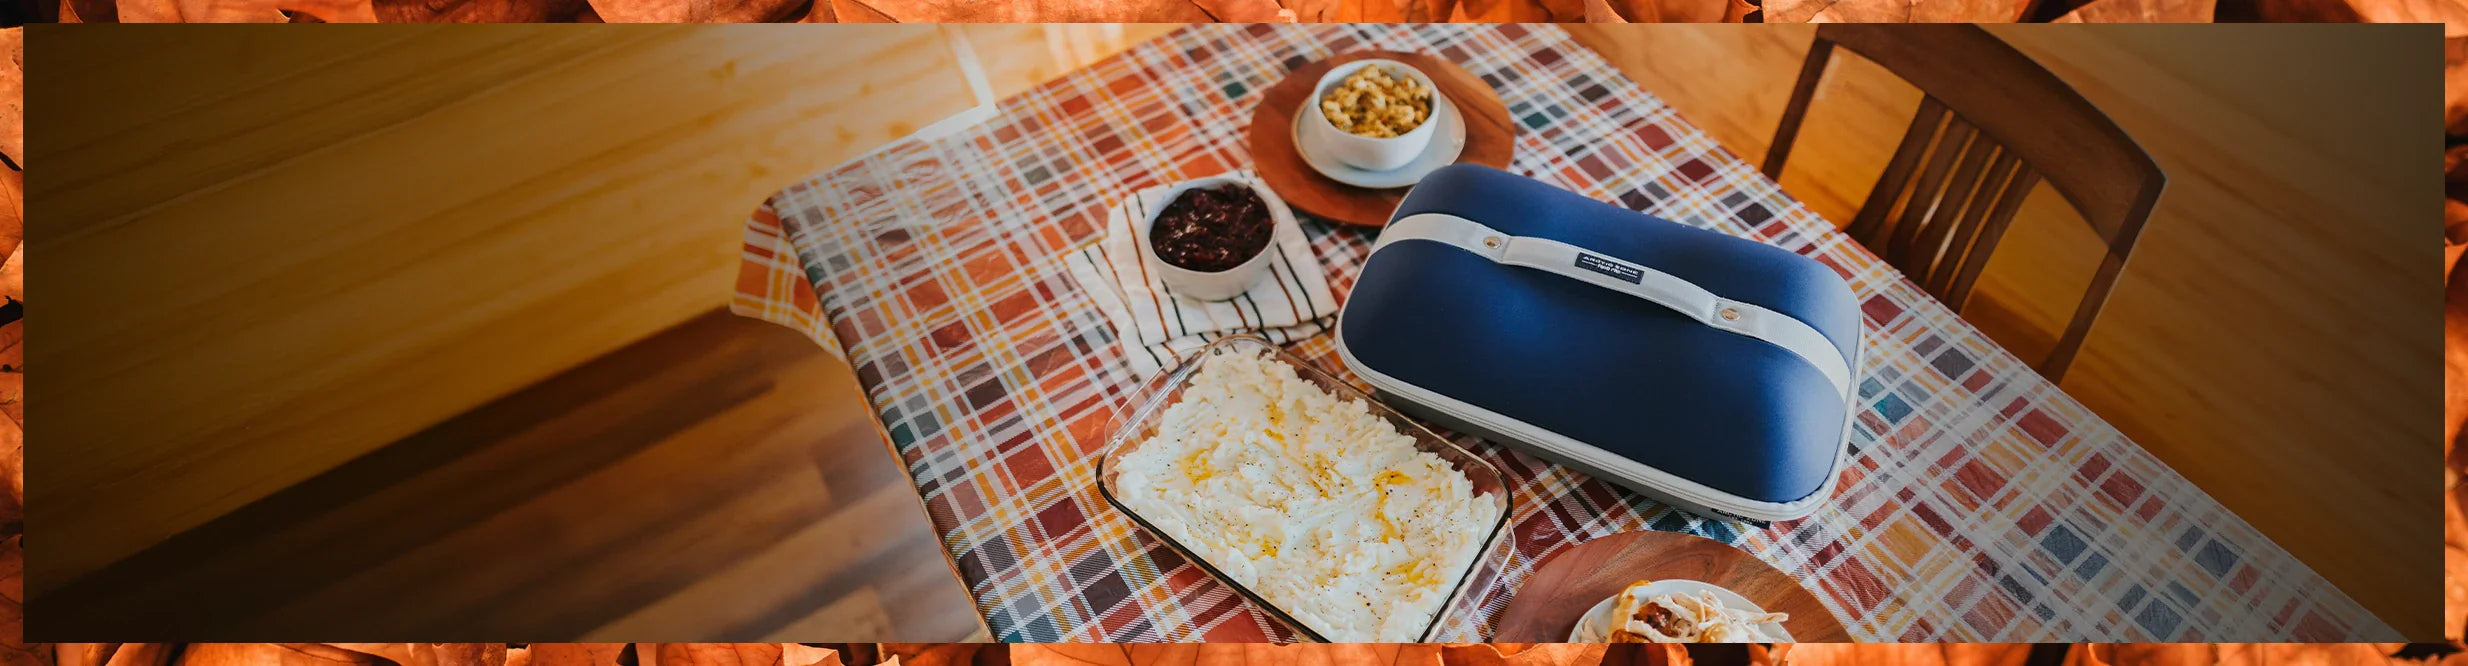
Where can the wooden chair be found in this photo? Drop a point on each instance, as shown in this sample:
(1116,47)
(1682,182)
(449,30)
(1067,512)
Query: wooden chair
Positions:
(1991,124)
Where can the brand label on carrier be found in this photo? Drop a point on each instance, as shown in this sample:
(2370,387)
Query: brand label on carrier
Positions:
(1624,272)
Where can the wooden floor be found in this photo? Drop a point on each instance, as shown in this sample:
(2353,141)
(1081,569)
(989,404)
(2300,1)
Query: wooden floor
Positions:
(712,482)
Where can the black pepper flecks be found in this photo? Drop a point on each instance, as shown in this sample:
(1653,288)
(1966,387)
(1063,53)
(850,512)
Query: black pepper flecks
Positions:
(1212,229)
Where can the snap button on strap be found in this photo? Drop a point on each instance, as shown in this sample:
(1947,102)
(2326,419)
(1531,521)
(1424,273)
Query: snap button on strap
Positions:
(1644,282)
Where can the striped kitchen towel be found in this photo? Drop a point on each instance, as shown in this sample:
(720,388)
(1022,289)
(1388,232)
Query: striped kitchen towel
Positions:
(1157,326)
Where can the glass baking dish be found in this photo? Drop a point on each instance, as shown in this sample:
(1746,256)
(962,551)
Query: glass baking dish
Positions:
(1135,425)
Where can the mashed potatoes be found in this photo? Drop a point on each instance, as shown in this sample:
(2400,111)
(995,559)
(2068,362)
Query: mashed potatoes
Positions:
(1312,502)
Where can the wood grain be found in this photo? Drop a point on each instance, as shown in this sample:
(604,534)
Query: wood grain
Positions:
(1016,57)
(714,481)
(471,231)
(1568,583)
(2267,385)
(1490,137)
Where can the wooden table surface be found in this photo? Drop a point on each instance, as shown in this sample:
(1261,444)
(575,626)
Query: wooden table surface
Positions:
(464,165)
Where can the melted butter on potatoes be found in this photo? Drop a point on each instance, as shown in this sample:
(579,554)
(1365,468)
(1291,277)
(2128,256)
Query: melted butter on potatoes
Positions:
(1313,502)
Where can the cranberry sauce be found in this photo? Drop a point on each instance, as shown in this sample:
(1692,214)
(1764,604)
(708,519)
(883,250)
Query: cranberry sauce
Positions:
(1212,229)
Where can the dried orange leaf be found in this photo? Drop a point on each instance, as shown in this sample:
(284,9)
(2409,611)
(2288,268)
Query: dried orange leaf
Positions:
(13,568)
(718,654)
(433,654)
(2454,341)
(2140,11)
(1318,11)
(1660,11)
(14,651)
(576,654)
(141,654)
(846,11)
(1248,11)
(695,11)
(13,473)
(13,102)
(271,654)
(2455,85)
(219,11)
(1423,654)
(12,211)
(1894,11)
(1522,654)
(84,654)
(2451,14)
(1046,11)
(2454,567)
(1518,11)
(792,654)
(478,11)
(1059,654)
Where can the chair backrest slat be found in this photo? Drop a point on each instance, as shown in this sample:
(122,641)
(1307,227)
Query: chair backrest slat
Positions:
(1993,229)
(1929,194)
(1991,124)
(1966,231)
(1897,171)
(1961,194)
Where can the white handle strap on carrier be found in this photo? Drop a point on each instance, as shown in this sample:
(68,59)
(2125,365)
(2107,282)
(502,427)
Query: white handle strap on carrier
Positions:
(1604,271)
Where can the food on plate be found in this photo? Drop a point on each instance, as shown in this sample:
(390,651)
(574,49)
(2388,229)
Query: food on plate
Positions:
(1212,229)
(1311,501)
(1685,618)
(1375,103)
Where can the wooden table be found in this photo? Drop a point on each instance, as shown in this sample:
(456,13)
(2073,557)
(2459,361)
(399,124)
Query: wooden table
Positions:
(1981,503)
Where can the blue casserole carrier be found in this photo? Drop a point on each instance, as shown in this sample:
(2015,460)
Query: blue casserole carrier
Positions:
(1712,372)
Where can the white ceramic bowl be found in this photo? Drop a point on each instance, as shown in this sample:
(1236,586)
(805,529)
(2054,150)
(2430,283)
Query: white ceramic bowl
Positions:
(1595,625)
(1225,284)
(1358,151)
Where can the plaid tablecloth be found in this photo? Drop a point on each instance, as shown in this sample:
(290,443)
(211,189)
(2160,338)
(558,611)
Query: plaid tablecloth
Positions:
(1980,502)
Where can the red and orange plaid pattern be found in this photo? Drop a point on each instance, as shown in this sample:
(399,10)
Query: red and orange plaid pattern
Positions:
(1980,503)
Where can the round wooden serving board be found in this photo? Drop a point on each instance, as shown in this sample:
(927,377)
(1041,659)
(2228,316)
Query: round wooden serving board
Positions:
(1571,581)
(1490,139)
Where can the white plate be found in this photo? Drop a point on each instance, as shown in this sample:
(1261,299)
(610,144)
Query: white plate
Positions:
(1445,146)
(1595,627)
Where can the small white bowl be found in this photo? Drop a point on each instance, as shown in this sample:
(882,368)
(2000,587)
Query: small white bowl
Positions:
(1225,284)
(1358,151)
